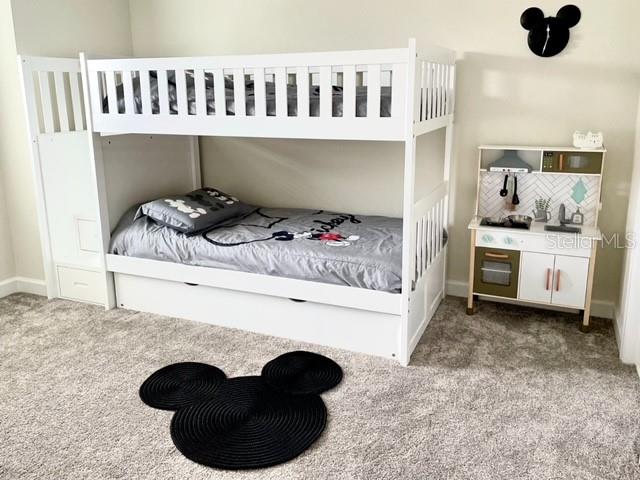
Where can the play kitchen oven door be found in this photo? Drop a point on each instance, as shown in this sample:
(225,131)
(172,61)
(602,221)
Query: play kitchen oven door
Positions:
(496,272)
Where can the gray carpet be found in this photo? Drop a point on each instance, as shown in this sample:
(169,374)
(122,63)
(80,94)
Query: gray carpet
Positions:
(510,393)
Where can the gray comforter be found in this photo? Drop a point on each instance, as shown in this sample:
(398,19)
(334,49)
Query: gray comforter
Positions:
(292,100)
(343,249)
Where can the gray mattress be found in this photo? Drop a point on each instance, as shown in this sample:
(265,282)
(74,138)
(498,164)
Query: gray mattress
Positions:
(292,101)
(280,242)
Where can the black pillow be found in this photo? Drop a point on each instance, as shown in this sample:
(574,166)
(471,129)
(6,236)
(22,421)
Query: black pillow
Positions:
(194,212)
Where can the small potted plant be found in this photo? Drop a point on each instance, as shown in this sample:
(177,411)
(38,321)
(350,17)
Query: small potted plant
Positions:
(542,213)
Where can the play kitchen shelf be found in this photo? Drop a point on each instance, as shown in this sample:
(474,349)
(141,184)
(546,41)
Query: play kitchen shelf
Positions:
(535,233)
(568,160)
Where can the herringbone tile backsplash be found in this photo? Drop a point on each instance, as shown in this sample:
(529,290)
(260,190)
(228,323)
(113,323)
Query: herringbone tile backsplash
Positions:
(532,186)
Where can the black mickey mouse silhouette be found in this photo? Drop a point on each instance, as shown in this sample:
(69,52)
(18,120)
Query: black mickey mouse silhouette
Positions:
(549,36)
(245,422)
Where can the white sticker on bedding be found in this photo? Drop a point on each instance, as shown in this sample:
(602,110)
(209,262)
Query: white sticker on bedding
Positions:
(338,243)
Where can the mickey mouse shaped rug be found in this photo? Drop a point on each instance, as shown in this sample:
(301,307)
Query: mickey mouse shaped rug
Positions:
(245,422)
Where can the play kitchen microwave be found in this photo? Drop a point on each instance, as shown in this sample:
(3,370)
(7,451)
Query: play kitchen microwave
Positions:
(571,162)
(496,272)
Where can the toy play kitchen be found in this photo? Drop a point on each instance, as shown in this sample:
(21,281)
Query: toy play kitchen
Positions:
(535,231)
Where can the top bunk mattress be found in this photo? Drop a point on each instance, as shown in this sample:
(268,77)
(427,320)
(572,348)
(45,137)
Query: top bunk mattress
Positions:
(270,97)
(316,245)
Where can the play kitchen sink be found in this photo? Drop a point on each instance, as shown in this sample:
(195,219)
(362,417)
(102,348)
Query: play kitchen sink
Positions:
(563,228)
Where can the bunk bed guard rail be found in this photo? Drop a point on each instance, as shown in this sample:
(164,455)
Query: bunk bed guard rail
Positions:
(53,94)
(331,95)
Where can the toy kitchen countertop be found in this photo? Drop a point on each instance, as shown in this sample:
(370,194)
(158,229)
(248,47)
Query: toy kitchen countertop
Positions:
(538,228)
(536,239)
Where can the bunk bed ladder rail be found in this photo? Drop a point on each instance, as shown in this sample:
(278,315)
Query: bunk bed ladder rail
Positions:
(53,94)
(54,101)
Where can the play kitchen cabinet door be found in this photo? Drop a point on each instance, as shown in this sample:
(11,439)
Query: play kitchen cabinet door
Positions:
(536,277)
(555,279)
(570,281)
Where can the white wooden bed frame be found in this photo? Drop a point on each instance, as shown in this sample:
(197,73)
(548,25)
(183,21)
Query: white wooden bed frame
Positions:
(368,321)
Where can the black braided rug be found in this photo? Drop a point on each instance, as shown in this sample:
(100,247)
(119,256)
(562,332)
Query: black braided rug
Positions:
(245,422)
(181,384)
(302,373)
(248,424)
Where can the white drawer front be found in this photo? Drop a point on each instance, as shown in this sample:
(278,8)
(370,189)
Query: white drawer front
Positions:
(330,325)
(569,245)
(83,285)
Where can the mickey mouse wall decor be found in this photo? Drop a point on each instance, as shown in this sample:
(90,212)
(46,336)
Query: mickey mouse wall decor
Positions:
(548,36)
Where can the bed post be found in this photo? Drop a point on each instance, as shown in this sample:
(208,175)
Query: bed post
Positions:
(448,155)
(29,102)
(448,158)
(408,241)
(97,172)
(196,169)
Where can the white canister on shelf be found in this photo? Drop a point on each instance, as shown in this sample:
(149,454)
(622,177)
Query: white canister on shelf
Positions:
(588,140)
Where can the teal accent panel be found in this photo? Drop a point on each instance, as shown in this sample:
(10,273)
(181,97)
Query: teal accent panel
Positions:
(579,191)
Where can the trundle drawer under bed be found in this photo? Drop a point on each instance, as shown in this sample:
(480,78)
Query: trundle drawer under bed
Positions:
(353,329)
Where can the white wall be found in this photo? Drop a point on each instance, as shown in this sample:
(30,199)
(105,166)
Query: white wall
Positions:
(7,84)
(505,95)
(628,309)
(66,27)
(55,28)
(7,261)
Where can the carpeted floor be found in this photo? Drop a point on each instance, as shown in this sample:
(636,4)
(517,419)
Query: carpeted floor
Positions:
(510,393)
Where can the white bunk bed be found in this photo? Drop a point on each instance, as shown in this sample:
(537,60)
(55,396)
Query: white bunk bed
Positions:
(126,169)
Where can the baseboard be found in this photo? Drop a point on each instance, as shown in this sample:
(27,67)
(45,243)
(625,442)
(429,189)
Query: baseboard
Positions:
(599,308)
(22,284)
(603,309)
(7,287)
(456,288)
(616,329)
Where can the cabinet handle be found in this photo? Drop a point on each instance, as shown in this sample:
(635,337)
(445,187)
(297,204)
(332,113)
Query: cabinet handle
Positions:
(496,255)
(558,280)
(548,286)
(561,162)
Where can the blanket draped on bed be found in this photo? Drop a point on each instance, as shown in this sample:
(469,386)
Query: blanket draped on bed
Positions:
(343,249)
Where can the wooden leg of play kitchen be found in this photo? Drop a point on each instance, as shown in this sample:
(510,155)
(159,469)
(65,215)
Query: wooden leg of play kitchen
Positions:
(472,256)
(585,326)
